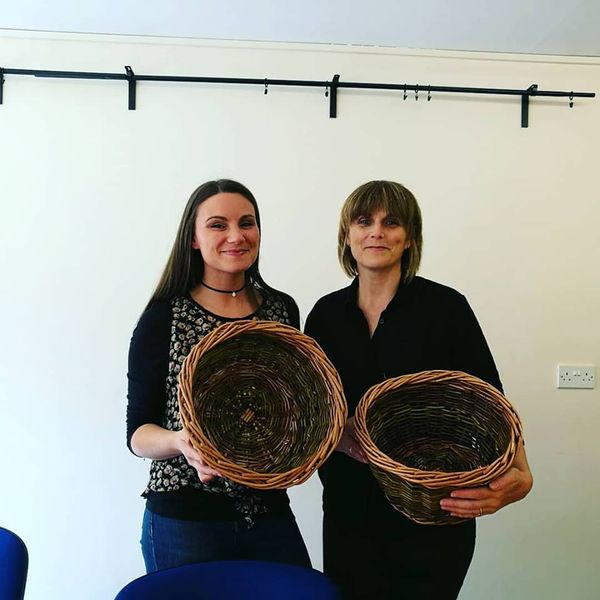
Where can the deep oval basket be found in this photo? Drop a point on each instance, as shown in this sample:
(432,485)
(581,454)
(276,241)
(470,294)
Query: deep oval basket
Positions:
(429,433)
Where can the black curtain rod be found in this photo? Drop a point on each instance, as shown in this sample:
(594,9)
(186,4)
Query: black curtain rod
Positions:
(331,87)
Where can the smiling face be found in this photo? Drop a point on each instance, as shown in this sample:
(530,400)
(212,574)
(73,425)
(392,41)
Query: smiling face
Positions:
(377,241)
(227,235)
(380,227)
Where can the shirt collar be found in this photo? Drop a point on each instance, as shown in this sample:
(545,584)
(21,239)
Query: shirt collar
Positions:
(351,294)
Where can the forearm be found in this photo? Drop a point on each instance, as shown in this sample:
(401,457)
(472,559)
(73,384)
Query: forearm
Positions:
(158,443)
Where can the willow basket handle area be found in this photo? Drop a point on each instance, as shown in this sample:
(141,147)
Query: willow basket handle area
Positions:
(294,463)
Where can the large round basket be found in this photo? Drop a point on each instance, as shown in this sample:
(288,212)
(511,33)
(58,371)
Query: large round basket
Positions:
(429,433)
(262,403)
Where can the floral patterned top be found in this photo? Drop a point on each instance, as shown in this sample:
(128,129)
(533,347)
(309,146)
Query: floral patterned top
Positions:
(164,336)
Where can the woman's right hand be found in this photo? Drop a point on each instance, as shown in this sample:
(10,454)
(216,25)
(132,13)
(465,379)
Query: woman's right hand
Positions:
(194,458)
(349,444)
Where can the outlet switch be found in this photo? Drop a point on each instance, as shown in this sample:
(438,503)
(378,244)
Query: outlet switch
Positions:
(576,376)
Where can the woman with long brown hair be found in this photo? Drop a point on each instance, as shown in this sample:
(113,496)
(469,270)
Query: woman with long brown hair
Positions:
(212,277)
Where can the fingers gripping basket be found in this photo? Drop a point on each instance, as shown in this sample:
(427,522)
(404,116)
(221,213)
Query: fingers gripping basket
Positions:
(429,433)
(262,403)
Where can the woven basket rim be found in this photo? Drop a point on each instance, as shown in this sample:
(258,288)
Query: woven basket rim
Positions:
(310,350)
(437,479)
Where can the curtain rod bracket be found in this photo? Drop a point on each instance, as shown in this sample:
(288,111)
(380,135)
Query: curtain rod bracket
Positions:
(530,91)
(130,75)
(333,86)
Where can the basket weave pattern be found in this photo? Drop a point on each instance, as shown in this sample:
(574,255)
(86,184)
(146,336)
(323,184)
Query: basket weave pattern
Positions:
(429,433)
(262,403)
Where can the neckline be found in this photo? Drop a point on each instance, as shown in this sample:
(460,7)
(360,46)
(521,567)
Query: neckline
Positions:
(351,299)
(188,296)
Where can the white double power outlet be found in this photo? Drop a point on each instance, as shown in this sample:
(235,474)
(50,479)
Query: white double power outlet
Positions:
(576,376)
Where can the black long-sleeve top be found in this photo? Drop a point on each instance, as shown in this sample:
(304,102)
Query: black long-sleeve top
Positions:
(425,326)
(164,336)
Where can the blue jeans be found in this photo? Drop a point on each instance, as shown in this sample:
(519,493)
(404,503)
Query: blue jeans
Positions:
(168,542)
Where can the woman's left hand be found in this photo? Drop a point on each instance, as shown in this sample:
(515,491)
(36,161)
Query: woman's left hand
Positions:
(510,487)
(349,445)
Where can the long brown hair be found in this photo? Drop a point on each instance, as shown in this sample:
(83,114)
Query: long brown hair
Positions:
(185,266)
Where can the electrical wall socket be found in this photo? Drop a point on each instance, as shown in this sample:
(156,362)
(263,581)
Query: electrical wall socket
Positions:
(576,376)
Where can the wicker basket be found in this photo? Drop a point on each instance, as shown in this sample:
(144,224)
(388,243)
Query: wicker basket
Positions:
(429,433)
(262,403)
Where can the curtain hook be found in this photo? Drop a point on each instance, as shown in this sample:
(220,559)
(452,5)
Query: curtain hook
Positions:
(417,92)
(266,86)
(429,94)
(571,100)
(405,95)
(327,89)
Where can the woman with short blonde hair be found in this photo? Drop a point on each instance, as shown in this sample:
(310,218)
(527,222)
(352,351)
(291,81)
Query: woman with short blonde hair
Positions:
(387,323)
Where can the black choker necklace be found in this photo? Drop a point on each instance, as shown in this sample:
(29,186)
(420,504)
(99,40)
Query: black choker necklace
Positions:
(232,292)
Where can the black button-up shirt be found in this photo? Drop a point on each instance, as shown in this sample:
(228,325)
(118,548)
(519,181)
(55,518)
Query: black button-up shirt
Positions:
(425,326)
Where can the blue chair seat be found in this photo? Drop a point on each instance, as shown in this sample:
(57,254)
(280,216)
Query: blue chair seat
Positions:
(14,562)
(232,580)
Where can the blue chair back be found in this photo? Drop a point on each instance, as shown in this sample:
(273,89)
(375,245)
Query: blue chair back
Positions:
(13,566)
(232,580)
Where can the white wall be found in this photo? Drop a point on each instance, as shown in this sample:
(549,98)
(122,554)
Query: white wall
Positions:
(91,195)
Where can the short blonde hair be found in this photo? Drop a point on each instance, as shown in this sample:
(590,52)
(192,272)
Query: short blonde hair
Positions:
(395,200)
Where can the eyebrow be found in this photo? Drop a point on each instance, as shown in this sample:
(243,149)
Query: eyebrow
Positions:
(225,218)
(371,214)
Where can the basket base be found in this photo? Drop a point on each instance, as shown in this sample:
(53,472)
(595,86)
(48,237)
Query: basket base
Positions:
(417,503)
